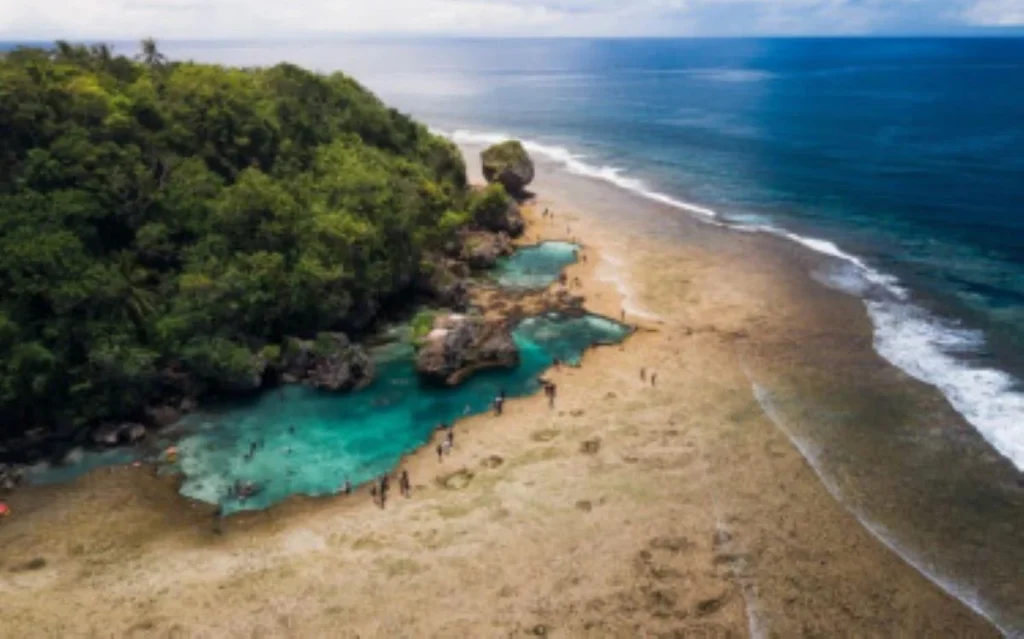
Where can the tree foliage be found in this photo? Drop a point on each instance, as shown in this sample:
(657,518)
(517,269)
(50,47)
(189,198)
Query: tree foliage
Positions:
(159,215)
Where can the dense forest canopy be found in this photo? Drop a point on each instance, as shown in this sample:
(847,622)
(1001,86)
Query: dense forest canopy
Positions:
(164,216)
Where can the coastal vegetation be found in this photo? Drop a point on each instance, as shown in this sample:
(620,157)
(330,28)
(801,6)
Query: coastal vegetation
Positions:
(170,229)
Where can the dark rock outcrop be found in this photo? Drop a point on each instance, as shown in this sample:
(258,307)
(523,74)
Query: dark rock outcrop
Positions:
(509,164)
(331,362)
(491,209)
(163,415)
(445,284)
(460,345)
(481,250)
(246,379)
(500,214)
(117,434)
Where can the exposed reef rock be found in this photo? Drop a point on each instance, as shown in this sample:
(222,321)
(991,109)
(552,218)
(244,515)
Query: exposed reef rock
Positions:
(481,250)
(459,345)
(331,362)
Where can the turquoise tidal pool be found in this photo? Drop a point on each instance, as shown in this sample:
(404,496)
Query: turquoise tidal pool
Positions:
(535,267)
(309,442)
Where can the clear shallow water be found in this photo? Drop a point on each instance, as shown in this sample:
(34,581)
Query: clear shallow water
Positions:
(313,441)
(899,157)
(535,267)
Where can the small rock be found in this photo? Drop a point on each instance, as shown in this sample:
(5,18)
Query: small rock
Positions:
(590,446)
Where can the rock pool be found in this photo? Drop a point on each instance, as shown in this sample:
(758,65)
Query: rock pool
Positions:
(312,441)
(535,267)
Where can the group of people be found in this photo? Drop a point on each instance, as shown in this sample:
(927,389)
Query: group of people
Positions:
(653,376)
(444,447)
(379,489)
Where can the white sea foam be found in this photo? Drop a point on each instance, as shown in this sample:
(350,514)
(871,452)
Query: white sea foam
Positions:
(574,163)
(907,336)
(813,455)
(925,347)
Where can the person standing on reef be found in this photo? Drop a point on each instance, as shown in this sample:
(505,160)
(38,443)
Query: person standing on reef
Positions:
(643,374)
(451,437)
(499,401)
(622,314)
(218,514)
(373,492)
(440,452)
(348,487)
(553,390)
(654,379)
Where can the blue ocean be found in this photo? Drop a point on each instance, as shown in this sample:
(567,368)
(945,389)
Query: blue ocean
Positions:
(901,157)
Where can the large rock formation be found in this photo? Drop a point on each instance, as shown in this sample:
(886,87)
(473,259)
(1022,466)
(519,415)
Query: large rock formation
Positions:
(481,249)
(462,344)
(445,283)
(509,164)
(331,362)
(492,209)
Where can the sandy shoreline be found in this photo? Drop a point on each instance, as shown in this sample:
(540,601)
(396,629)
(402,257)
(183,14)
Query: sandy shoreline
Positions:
(627,510)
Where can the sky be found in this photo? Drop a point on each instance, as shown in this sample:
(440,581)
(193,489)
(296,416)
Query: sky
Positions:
(245,19)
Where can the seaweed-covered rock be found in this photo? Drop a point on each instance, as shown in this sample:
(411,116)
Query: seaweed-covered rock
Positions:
(509,164)
(459,345)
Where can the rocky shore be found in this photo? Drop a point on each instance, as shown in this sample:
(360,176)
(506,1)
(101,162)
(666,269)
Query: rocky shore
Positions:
(631,509)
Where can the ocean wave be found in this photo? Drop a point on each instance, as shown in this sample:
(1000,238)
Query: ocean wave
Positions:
(925,348)
(574,163)
(907,336)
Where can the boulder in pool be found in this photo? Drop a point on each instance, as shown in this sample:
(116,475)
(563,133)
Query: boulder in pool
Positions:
(491,209)
(460,345)
(481,250)
(508,164)
(331,362)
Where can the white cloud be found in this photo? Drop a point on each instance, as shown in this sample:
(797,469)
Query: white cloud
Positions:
(996,13)
(204,19)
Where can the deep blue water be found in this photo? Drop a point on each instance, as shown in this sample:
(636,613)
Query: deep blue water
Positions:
(902,154)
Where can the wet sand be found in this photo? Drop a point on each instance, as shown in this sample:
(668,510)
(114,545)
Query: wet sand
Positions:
(680,509)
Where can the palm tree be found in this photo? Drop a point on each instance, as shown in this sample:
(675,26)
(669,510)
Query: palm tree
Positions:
(150,55)
(139,302)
